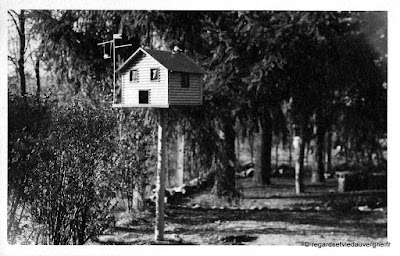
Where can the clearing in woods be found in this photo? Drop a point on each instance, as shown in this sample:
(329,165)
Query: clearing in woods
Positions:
(265,215)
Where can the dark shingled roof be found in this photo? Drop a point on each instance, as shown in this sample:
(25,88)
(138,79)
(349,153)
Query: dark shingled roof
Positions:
(177,61)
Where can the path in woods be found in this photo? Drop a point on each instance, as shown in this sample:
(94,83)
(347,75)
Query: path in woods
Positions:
(265,215)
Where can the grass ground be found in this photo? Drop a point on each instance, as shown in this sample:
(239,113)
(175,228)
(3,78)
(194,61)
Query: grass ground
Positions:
(264,215)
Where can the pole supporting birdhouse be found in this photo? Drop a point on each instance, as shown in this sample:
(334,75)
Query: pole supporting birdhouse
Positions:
(161,166)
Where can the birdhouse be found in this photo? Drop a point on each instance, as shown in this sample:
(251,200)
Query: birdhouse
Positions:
(153,78)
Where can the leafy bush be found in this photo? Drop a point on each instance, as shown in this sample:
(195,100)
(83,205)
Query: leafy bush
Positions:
(66,164)
(28,119)
(70,194)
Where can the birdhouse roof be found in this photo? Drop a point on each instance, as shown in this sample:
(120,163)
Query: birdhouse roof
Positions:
(173,61)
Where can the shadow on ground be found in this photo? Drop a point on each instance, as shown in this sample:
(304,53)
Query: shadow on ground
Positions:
(263,216)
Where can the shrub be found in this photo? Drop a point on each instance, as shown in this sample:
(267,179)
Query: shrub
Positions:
(67,163)
(71,192)
(28,119)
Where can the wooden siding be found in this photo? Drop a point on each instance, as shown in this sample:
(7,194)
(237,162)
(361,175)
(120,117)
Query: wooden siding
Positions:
(158,94)
(184,96)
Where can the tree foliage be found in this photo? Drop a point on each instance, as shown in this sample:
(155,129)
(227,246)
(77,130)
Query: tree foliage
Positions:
(135,161)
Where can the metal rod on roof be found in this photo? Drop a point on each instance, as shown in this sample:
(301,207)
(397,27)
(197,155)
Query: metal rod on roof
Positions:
(114,69)
(105,42)
(120,46)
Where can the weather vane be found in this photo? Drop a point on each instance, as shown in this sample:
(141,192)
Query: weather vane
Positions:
(107,54)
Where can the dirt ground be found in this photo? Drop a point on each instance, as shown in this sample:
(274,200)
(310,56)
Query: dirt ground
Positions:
(264,215)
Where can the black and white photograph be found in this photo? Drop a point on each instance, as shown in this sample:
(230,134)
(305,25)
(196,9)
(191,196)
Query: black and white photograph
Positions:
(134,127)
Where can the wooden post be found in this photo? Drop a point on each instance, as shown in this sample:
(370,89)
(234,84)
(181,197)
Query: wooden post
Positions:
(299,168)
(180,157)
(160,185)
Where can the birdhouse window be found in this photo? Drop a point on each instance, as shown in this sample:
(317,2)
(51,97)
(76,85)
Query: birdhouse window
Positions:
(134,75)
(185,80)
(155,74)
(144,97)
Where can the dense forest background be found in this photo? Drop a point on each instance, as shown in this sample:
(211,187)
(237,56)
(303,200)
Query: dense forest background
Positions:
(308,88)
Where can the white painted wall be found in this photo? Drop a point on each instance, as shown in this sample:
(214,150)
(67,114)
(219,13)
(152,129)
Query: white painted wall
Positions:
(158,90)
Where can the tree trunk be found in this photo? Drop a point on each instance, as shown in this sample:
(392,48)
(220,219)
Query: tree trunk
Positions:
(318,173)
(290,152)
(237,150)
(307,151)
(277,155)
(266,145)
(379,153)
(299,170)
(143,195)
(11,221)
(251,145)
(328,152)
(167,166)
(180,165)
(37,72)
(160,182)
(82,227)
(192,174)
(21,60)
(138,194)
(129,183)
(225,178)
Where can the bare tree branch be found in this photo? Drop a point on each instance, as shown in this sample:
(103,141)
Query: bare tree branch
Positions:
(14,20)
(13,12)
(29,55)
(27,43)
(14,61)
